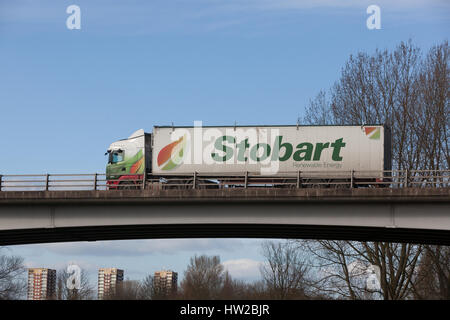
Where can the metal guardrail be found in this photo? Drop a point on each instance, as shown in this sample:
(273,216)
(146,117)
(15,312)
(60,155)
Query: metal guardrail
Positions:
(306,179)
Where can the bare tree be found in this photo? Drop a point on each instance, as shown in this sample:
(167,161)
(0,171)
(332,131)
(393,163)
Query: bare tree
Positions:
(147,290)
(411,95)
(12,282)
(401,89)
(433,277)
(233,289)
(343,268)
(125,290)
(203,278)
(228,288)
(128,290)
(257,291)
(433,117)
(284,271)
(318,111)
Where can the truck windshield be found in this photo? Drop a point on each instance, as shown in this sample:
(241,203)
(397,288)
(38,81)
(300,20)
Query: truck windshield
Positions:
(116,156)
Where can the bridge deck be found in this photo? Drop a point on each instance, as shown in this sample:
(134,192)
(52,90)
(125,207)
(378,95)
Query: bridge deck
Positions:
(418,215)
(232,194)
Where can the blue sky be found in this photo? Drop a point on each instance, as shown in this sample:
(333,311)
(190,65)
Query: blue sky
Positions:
(65,95)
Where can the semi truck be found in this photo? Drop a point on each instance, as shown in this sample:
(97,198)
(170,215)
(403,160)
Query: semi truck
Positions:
(223,155)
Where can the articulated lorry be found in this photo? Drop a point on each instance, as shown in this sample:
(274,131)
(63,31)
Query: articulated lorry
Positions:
(316,153)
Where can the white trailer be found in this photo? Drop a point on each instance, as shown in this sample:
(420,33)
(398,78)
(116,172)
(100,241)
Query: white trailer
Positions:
(272,150)
(223,155)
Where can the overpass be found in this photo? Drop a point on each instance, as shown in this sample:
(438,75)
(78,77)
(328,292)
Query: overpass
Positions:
(418,215)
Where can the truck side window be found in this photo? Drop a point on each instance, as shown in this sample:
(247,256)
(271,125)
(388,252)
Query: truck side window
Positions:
(117,156)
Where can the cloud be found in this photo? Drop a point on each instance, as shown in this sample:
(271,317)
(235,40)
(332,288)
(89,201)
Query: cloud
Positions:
(145,247)
(62,265)
(243,269)
(277,5)
(143,17)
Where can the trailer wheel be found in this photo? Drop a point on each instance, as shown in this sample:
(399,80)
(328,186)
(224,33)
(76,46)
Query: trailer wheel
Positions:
(341,184)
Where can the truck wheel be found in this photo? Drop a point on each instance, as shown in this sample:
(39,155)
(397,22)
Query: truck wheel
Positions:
(128,185)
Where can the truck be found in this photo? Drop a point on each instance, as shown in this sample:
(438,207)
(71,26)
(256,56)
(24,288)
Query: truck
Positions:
(226,156)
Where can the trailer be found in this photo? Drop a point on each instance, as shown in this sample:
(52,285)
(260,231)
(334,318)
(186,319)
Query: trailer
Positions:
(226,155)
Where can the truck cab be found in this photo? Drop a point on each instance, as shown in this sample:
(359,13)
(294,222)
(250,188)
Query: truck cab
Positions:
(128,161)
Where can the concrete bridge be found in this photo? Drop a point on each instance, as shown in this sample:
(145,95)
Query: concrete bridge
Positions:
(420,215)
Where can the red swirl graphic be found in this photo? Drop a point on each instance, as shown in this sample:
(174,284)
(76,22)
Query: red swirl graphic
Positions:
(166,152)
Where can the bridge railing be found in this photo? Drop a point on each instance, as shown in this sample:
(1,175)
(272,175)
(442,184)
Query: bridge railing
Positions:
(61,182)
(312,179)
(305,179)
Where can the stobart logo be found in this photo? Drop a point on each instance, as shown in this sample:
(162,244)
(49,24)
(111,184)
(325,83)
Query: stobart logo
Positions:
(279,151)
(172,155)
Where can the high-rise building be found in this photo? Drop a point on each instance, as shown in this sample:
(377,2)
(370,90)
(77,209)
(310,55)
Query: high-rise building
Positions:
(166,282)
(108,279)
(41,283)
